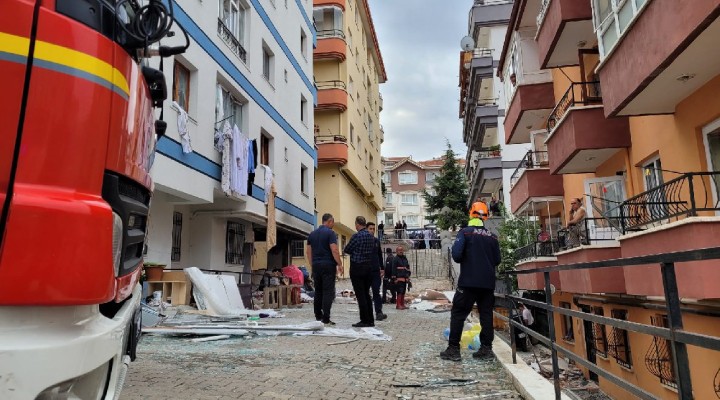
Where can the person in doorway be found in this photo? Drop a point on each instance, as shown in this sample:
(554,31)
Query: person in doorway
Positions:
(322,252)
(495,207)
(478,252)
(377,273)
(388,283)
(361,249)
(398,230)
(381,230)
(401,276)
(576,224)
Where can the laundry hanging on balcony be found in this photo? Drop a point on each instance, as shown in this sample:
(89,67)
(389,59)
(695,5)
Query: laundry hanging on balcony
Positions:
(271,224)
(182,121)
(226,139)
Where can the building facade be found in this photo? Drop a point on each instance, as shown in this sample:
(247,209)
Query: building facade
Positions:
(348,72)
(249,66)
(489,160)
(625,122)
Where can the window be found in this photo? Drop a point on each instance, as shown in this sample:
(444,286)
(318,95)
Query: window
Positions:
(412,220)
(371,132)
(408,178)
(231,26)
(285,74)
(409,199)
(297,248)
(351,86)
(387,178)
(303,178)
(358,145)
(232,108)
(181,85)
(657,205)
(367,161)
(268,63)
(430,177)
(265,150)
(432,192)
(303,44)
(388,198)
(176,236)
(234,240)
(328,21)
(618,344)
(349,39)
(567,325)
(658,359)
(599,337)
(303,110)
(352,135)
(612,18)
(389,220)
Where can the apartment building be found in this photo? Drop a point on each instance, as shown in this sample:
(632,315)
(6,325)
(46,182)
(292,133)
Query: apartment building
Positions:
(348,72)
(249,66)
(625,119)
(489,160)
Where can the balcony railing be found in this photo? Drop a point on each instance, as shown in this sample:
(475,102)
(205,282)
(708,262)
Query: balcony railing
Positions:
(533,159)
(684,196)
(578,94)
(482,52)
(330,33)
(330,139)
(589,231)
(537,249)
(541,15)
(330,85)
(229,38)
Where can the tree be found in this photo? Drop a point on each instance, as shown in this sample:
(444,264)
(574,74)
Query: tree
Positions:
(514,233)
(447,206)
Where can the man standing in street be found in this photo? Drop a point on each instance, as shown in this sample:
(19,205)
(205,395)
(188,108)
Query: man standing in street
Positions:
(322,252)
(377,272)
(478,252)
(361,248)
(388,283)
(381,230)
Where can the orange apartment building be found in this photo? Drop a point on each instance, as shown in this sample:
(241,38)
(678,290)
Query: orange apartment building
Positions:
(620,103)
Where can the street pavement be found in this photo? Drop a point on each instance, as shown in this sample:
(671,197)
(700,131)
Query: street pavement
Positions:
(287,367)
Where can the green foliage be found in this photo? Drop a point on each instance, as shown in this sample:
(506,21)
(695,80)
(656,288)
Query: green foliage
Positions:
(447,207)
(514,233)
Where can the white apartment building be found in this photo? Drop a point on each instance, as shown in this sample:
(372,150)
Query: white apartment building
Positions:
(483,105)
(249,65)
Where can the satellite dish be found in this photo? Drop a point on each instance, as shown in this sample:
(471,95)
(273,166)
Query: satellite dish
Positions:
(467,43)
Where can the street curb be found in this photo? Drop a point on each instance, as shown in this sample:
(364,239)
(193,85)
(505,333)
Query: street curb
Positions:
(530,384)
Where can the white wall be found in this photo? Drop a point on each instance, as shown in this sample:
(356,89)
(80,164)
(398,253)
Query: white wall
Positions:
(177,174)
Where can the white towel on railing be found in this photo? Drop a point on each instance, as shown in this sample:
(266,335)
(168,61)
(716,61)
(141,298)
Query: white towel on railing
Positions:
(182,121)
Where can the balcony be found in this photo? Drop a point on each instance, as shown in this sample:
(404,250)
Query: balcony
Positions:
(532,179)
(485,116)
(332,149)
(490,13)
(681,214)
(486,173)
(528,111)
(667,66)
(331,45)
(330,3)
(581,138)
(332,96)
(231,40)
(564,26)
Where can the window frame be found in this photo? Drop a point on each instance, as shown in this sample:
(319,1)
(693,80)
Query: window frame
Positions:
(612,21)
(179,68)
(619,339)
(304,179)
(265,144)
(297,248)
(413,202)
(233,247)
(406,173)
(567,324)
(176,249)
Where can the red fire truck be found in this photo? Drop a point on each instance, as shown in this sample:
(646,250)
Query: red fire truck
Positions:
(77,139)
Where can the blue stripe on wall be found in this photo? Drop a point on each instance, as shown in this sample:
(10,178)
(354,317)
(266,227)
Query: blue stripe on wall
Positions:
(271,27)
(310,25)
(173,150)
(224,62)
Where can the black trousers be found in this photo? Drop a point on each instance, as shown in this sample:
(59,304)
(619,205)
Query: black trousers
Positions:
(376,283)
(463,302)
(400,287)
(324,277)
(361,278)
(388,285)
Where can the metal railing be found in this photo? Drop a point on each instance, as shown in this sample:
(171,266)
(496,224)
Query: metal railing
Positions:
(589,231)
(674,336)
(685,196)
(544,4)
(330,139)
(579,93)
(330,33)
(335,84)
(537,249)
(532,160)
(482,52)
(229,38)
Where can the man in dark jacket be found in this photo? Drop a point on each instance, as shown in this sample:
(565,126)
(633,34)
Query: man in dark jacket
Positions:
(361,248)
(377,267)
(388,283)
(401,276)
(478,252)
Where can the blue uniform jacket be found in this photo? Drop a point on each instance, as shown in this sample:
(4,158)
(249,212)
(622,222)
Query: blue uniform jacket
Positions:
(478,252)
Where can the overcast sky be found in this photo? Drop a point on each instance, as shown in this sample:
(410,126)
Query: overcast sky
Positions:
(420,45)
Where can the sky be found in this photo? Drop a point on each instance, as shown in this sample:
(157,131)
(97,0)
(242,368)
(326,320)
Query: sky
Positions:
(420,45)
